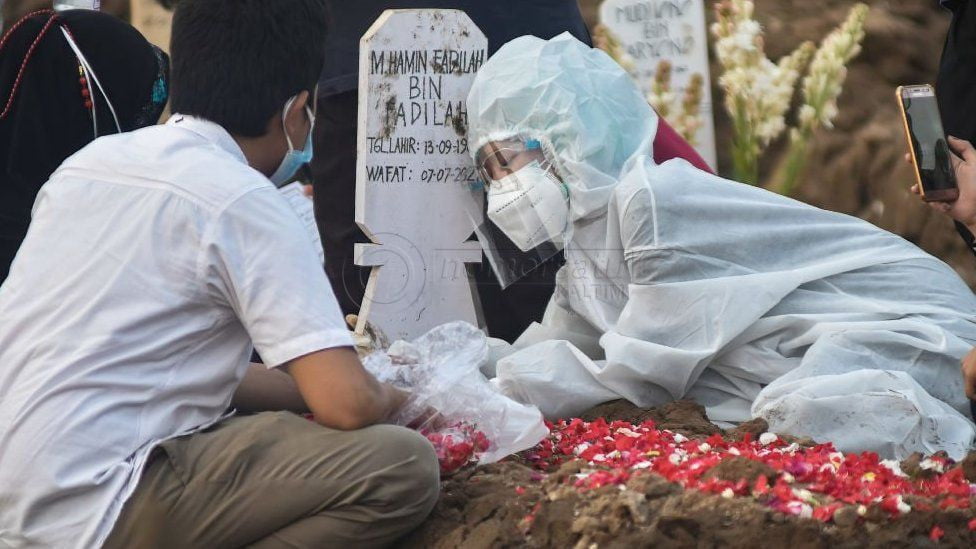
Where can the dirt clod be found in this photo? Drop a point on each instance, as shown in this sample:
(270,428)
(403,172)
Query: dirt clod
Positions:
(736,469)
(683,416)
(912,466)
(968,466)
(753,427)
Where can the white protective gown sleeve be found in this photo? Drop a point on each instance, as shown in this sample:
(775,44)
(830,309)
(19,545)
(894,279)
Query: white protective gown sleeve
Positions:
(698,287)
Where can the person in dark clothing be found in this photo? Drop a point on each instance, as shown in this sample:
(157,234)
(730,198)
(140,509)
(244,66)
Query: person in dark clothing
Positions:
(48,110)
(956,91)
(956,84)
(507,313)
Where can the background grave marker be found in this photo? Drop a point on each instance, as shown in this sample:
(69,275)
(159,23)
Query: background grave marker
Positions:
(674,30)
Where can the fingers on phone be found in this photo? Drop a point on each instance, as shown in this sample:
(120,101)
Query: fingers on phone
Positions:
(963,148)
(915,189)
(956,161)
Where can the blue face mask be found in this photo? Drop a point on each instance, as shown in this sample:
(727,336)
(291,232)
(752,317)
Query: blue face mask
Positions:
(293,159)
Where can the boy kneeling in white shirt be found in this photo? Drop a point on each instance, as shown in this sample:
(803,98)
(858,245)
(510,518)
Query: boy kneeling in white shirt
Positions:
(154,260)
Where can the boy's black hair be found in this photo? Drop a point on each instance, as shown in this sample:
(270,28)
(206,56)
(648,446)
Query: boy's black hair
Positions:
(236,62)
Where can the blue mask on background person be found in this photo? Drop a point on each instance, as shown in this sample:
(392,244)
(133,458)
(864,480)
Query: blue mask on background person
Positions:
(293,159)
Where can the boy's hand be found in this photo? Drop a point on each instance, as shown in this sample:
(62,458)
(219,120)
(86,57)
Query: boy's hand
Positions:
(969,374)
(963,209)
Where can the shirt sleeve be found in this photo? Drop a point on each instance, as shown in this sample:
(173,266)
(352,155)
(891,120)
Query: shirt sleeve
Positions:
(259,261)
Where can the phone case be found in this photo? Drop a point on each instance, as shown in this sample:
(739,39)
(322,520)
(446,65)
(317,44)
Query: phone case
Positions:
(944,195)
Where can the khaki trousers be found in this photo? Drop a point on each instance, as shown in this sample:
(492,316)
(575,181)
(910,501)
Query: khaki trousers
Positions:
(279,480)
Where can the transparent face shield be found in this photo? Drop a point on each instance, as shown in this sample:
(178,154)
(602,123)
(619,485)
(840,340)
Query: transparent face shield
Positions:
(526,211)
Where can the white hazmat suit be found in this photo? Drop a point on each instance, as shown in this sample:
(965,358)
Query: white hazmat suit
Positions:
(680,284)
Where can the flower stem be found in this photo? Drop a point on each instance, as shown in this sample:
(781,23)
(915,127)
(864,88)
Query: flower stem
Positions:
(745,160)
(796,161)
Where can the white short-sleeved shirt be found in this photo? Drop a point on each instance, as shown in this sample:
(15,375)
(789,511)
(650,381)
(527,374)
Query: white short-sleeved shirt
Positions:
(153,261)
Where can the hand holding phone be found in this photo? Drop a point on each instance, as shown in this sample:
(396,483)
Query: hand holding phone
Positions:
(928,145)
(962,209)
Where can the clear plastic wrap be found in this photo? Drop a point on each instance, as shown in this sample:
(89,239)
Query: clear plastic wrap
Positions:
(451,401)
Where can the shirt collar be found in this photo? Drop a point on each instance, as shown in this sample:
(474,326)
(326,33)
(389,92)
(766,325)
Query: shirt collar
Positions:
(210,131)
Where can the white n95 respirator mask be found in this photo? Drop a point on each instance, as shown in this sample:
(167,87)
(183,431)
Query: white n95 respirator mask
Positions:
(531,206)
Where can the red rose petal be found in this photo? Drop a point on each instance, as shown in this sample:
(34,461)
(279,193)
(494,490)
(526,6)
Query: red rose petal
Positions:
(819,478)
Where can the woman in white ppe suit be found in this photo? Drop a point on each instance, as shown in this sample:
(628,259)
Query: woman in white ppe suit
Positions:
(679,284)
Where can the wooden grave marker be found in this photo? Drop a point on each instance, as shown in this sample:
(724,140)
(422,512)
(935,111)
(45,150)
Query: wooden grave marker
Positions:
(415,176)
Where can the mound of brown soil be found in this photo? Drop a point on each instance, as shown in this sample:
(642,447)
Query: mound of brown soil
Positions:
(510,505)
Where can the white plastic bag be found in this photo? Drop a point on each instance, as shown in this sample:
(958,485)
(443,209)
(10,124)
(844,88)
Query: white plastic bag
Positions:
(441,370)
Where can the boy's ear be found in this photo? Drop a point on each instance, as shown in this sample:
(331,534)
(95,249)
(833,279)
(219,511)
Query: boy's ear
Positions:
(296,119)
(297,109)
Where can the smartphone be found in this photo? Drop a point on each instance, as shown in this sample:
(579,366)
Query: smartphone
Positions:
(927,141)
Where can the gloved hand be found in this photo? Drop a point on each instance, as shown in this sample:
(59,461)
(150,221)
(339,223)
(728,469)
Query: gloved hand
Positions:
(368,339)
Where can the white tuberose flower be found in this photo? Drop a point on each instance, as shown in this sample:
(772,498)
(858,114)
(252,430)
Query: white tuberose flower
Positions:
(828,70)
